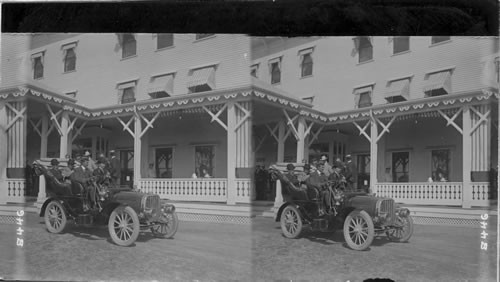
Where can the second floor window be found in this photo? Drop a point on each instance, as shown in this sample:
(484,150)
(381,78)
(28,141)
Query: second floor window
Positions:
(363,96)
(128,95)
(203,35)
(38,67)
(275,73)
(307,65)
(365,49)
(129,45)
(253,70)
(71,94)
(437,39)
(164,40)
(401,44)
(70,60)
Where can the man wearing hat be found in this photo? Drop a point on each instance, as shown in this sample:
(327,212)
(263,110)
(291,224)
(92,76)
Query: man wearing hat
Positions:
(83,175)
(290,175)
(327,168)
(350,173)
(92,165)
(54,169)
(114,168)
(101,173)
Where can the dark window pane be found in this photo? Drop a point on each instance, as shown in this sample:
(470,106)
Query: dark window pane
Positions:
(307,65)
(401,44)
(400,166)
(437,39)
(275,73)
(128,95)
(164,40)
(253,72)
(365,50)
(128,45)
(204,161)
(440,165)
(364,100)
(38,72)
(163,162)
(70,60)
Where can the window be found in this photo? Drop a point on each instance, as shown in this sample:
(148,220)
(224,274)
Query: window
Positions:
(401,44)
(363,171)
(253,70)
(275,73)
(161,86)
(437,83)
(129,45)
(201,79)
(306,65)
(438,39)
(37,65)
(70,60)
(126,92)
(71,94)
(164,40)
(365,49)
(203,35)
(365,100)
(400,166)
(204,160)
(163,163)
(398,90)
(440,164)
(308,99)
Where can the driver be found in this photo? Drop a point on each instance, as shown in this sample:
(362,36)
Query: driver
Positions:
(56,172)
(315,183)
(83,175)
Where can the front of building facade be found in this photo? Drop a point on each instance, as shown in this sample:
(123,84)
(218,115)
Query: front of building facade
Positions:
(173,104)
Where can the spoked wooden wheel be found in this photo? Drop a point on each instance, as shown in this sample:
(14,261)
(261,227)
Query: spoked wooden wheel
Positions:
(291,222)
(55,217)
(403,231)
(167,227)
(358,230)
(123,226)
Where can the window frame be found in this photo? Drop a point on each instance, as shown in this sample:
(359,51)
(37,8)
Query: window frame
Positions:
(407,172)
(212,169)
(122,86)
(158,35)
(40,71)
(71,94)
(172,161)
(123,45)
(395,40)
(433,171)
(360,48)
(275,61)
(357,94)
(254,67)
(303,65)
(202,36)
(66,60)
(448,39)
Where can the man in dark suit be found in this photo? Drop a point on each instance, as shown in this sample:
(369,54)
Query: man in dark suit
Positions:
(114,169)
(101,173)
(83,175)
(54,169)
(351,174)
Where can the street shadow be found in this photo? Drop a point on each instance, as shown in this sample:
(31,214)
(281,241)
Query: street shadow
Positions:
(324,238)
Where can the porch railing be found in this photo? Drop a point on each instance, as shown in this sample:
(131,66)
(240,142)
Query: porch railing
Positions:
(436,193)
(184,189)
(244,190)
(16,190)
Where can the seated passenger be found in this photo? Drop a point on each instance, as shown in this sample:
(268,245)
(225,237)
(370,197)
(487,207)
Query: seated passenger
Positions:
(83,176)
(67,171)
(290,175)
(101,173)
(55,171)
(316,182)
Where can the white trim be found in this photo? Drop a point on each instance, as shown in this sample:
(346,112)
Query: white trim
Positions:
(214,64)
(275,60)
(449,68)
(69,45)
(173,73)
(120,83)
(410,76)
(363,85)
(308,50)
(38,54)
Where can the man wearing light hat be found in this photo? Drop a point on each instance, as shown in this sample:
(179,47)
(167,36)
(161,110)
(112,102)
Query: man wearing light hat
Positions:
(56,172)
(327,168)
(92,165)
(351,174)
(114,168)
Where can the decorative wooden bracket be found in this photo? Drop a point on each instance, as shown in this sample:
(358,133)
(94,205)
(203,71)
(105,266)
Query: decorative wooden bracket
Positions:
(55,121)
(19,114)
(149,123)
(273,131)
(245,117)
(291,125)
(261,142)
(315,135)
(78,131)
(216,116)
(36,125)
(452,119)
(126,126)
(482,118)
(385,128)
(362,130)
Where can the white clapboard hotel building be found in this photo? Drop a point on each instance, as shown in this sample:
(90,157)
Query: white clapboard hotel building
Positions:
(403,107)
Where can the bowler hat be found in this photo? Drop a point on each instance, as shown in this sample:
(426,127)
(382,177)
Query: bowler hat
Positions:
(290,167)
(54,162)
(307,166)
(323,158)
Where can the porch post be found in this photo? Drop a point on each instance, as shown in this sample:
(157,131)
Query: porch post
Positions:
(44,136)
(373,153)
(137,149)
(281,142)
(301,128)
(3,152)
(231,153)
(466,157)
(63,148)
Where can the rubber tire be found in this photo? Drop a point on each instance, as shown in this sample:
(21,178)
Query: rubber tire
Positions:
(113,218)
(395,236)
(291,215)
(363,217)
(55,207)
(161,230)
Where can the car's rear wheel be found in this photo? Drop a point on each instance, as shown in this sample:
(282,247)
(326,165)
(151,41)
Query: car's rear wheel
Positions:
(55,217)
(291,222)
(358,230)
(167,227)
(403,231)
(123,226)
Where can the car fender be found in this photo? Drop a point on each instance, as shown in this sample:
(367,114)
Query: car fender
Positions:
(44,206)
(299,208)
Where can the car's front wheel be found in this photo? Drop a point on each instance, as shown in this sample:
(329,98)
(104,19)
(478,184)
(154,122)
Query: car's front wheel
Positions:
(291,222)
(167,227)
(403,231)
(55,217)
(358,230)
(123,226)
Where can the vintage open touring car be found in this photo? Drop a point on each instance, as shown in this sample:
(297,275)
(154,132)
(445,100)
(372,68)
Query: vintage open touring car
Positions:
(125,211)
(361,216)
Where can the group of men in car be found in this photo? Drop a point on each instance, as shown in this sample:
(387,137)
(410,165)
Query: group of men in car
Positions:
(85,171)
(315,177)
